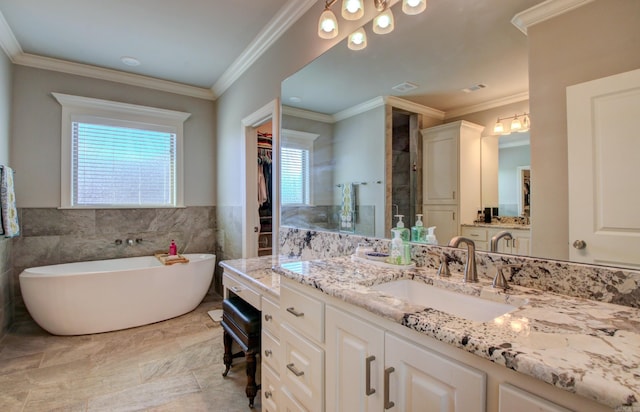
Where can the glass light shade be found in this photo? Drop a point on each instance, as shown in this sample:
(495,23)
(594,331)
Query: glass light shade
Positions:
(498,128)
(412,7)
(327,25)
(352,9)
(525,124)
(358,39)
(383,23)
(516,125)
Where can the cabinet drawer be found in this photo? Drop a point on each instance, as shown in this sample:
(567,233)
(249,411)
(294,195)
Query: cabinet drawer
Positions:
(302,312)
(271,316)
(303,371)
(243,291)
(270,388)
(271,353)
(475,233)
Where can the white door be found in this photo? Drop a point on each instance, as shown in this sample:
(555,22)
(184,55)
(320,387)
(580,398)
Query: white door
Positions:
(604,170)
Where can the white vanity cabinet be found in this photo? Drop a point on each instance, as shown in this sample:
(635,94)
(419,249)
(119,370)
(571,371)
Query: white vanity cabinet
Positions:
(369,369)
(451,176)
(515,399)
(302,341)
(355,363)
(271,355)
(481,235)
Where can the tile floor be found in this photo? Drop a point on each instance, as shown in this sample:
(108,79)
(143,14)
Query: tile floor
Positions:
(175,365)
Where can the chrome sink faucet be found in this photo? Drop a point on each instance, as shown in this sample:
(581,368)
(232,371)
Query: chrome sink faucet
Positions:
(496,238)
(470,272)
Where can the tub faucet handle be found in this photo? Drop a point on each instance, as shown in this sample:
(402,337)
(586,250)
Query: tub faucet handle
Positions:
(118,242)
(139,240)
(130,242)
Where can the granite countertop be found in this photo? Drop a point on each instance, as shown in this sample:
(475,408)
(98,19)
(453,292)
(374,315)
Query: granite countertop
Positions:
(498,225)
(582,346)
(257,272)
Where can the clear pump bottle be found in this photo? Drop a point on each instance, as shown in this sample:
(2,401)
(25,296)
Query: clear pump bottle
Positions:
(404,232)
(418,232)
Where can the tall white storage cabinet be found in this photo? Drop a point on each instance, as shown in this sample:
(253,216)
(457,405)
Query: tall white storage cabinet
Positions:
(451,176)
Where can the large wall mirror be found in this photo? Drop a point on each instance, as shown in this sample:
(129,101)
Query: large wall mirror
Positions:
(363,112)
(366,145)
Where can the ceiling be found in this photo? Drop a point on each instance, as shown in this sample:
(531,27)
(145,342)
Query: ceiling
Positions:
(200,47)
(189,42)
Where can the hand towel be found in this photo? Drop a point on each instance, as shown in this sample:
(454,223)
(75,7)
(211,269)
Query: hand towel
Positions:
(8,211)
(347,212)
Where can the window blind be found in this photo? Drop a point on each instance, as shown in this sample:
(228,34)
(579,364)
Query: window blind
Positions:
(295,184)
(114,166)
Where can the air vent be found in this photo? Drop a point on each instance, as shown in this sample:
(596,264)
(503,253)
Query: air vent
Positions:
(405,87)
(474,88)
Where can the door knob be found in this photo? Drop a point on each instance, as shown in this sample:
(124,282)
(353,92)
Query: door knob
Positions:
(579,244)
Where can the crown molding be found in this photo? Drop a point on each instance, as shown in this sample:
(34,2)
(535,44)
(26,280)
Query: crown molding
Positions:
(8,41)
(307,114)
(413,107)
(279,24)
(86,70)
(544,11)
(358,108)
(298,135)
(491,104)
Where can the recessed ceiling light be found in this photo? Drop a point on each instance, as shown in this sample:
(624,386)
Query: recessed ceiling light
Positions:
(474,88)
(130,61)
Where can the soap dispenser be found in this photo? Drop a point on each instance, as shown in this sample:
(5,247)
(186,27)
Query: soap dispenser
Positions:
(173,249)
(404,232)
(431,236)
(396,257)
(418,232)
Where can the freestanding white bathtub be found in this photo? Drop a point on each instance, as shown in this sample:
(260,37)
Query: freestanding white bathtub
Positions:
(105,295)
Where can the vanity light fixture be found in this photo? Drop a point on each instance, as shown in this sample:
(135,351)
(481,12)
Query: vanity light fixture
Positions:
(516,124)
(383,23)
(354,10)
(358,39)
(328,24)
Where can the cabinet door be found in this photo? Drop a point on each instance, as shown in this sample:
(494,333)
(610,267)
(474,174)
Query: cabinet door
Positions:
(355,363)
(440,166)
(514,399)
(444,218)
(423,380)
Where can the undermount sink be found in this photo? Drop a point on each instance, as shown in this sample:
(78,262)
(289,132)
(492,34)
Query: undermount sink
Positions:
(456,304)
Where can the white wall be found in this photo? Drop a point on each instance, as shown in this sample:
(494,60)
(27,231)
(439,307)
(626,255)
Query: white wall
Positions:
(5,108)
(359,154)
(35,140)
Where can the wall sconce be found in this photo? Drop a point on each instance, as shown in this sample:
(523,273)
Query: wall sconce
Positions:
(516,124)
(354,10)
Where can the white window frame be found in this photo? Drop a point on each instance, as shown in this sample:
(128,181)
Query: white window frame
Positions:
(295,139)
(86,109)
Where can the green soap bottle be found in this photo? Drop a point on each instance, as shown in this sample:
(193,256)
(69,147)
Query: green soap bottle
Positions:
(418,232)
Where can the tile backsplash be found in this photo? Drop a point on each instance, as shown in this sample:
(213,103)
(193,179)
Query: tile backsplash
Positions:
(601,283)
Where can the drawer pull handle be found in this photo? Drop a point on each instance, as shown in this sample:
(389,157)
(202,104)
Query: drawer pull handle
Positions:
(267,318)
(236,289)
(268,394)
(267,352)
(369,390)
(387,403)
(294,312)
(295,371)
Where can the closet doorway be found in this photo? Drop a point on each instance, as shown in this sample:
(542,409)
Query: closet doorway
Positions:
(261,204)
